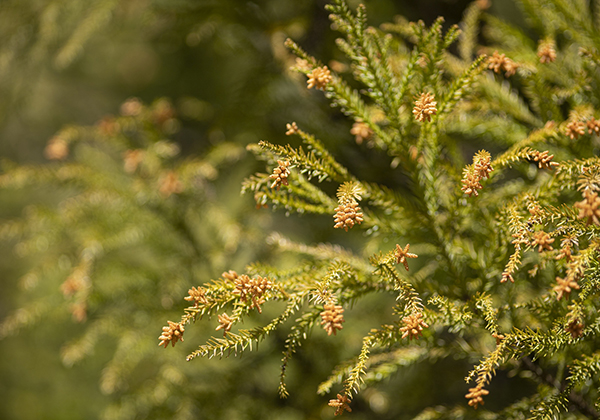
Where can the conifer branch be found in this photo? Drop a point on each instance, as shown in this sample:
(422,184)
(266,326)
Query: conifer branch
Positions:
(294,339)
(244,338)
(460,86)
(358,371)
(384,267)
(484,303)
(469,31)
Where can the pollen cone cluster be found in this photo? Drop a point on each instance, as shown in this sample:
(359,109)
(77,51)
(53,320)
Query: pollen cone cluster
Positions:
(402,254)
(498,62)
(291,129)
(225,323)
(475,396)
(575,129)
(332,318)
(171,334)
(413,326)
(170,184)
(575,328)
(565,286)
(319,78)
(252,289)
(593,126)
(546,52)
(473,174)
(361,131)
(196,295)
(425,107)
(589,207)
(280,174)
(341,404)
(542,240)
(347,215)
(544,160)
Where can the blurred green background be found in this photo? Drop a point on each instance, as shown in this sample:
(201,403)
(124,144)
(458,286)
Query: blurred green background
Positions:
(223,66)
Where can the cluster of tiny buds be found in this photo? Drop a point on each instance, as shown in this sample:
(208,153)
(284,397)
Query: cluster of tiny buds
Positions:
(475,395)
(507,276)
(171,334)
(575,129)
(225,323)
(565,286)
(280,174)
(318,78)
(291,129)
(230,275)
(482,163)
(498,62)
(546,52)
(498,337)
(543,159)
(542,240)
(332,318)
(402,254)
(252,289)
(566,250)
(361,131)
(473,174)
(196,295)
(341,404)
(347,215)
(589,207)
(413,325)
(470,182)
(593,126)
(425,107)
(575,328)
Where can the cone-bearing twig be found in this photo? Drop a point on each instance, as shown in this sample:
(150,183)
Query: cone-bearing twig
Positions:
(575,328)
(542,240)
(347,215)
(589,207)
(280,174)
(291,129)
(565,286)
(543,159)
(225,323)
(413,325)
(475,395)
(574,129)
(361,131)
(332,318)
(171,334)
(498,62)
(546,52)
(403,254)
(425,107)
(196,294)
(319,78)
(341,404)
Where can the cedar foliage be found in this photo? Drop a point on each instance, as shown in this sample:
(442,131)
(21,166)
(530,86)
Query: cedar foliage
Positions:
(507,239)
(487,244)
(117,245)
